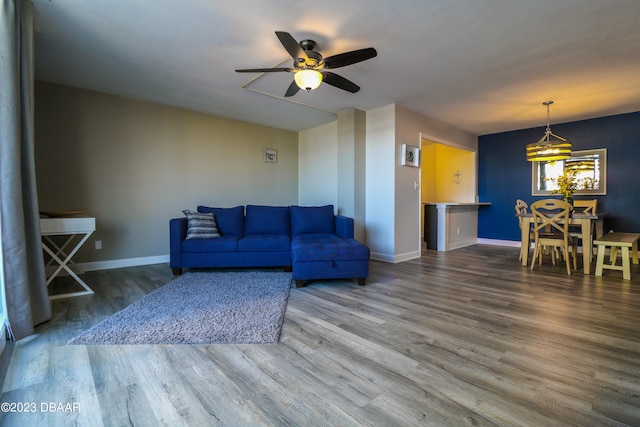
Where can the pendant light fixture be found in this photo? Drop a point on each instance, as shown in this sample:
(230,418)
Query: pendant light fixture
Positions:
(581,164)
(550,147)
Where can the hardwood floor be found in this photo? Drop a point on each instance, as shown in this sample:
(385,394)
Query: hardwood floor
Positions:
(467,337)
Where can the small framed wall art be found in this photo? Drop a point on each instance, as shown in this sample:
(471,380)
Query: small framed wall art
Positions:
(410,156)
(270,155)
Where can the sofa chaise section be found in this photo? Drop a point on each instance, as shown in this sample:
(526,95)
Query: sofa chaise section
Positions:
(323,247)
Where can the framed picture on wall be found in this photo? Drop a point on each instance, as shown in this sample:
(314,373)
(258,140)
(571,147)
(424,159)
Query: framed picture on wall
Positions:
(410,156)
(270,155)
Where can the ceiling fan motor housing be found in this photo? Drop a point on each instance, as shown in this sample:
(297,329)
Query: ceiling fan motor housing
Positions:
(313,60)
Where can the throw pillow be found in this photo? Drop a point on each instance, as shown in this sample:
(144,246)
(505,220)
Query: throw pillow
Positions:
(201,225)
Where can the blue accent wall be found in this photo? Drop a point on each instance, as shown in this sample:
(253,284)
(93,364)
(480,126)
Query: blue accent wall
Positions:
(504,174)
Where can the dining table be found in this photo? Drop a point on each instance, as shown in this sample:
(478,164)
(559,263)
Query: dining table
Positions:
(587,222)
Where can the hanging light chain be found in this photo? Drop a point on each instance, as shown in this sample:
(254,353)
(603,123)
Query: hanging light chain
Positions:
(546,150)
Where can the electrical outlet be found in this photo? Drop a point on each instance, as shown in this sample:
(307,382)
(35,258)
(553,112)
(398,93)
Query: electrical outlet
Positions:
(98,245)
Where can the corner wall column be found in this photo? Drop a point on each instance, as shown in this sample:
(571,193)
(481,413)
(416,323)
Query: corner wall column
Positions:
(352,168)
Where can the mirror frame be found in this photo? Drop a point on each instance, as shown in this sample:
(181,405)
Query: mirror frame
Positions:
(602,179)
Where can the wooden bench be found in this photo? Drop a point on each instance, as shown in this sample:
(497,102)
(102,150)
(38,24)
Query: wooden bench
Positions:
(624,241)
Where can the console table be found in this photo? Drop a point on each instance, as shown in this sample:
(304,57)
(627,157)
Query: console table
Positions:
(70,227)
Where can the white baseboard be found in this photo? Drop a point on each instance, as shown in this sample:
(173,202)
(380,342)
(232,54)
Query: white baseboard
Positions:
(407,256)
(395,258)
(515,244)
(464,244)
(121,263)
(381,257)
(496,242)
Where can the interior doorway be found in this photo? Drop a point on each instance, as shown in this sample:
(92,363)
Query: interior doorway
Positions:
(448,174)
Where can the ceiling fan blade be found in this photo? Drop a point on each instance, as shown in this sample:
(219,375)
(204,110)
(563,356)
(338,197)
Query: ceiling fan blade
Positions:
(348,58)
(293,89)
(264,70)
(339,82)
(291,45)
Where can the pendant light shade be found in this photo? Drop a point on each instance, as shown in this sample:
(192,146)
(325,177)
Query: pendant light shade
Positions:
(308,79)
(550,147)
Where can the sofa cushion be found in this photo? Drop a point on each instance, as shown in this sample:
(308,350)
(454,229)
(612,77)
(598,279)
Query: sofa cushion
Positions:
(326,247)
(265,243)
(267,220)
(201,225)
(221,244)
(312,220)
(230,220)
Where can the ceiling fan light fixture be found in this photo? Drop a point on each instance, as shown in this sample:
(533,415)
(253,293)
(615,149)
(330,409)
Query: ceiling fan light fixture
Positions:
(308,79)
(307,63)
(548,149)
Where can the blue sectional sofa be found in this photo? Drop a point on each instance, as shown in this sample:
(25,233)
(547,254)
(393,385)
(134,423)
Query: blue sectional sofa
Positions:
(310,241)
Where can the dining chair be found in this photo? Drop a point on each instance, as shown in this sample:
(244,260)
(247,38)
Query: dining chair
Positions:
(553,214)
(522,208)
(588,207)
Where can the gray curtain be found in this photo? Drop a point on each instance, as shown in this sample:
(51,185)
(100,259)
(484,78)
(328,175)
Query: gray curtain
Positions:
(22,261)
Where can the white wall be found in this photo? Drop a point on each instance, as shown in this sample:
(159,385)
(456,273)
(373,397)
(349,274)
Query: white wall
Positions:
(393,201)
(411,127)
(352,128)
(407,201)
(318,165)
(332,167)
(380,182)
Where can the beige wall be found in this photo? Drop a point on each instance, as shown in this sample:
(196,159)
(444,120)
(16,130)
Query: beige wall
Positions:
(134,165)
(318,165)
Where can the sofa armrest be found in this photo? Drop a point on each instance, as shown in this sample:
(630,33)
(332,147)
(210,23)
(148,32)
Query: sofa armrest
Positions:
(177,233)
(344,227)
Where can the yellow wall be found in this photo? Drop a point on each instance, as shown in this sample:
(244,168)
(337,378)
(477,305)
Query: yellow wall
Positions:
(448,174)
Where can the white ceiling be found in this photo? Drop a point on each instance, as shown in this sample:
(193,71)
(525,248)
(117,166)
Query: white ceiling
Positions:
(484,66)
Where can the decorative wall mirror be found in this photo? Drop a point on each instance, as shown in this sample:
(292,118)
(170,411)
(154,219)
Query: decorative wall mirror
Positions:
(590,167)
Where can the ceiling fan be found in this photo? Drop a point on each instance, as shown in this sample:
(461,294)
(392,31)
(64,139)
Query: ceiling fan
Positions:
(310,68)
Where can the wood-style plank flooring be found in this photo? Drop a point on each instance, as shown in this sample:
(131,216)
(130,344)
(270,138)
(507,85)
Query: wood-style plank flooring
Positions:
(462,338)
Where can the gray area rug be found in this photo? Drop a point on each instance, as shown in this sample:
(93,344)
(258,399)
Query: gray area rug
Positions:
(201,308)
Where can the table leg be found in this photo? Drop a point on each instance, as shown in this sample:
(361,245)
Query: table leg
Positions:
(599,224)
(525,243)
(626,268)
(62,265)
(60,250)
(613,255)
(600,259)
(587,245)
